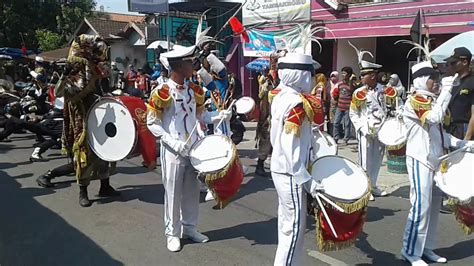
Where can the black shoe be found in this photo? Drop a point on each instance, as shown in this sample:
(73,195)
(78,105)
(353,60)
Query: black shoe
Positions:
(446,209)
(106,190)
(83,198)
(261,172)
(45,180)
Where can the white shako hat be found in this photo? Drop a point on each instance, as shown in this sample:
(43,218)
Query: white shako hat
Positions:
(179,53)
(298,61)
(39,59)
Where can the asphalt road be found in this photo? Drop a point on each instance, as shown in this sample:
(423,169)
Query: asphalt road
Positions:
(47,226)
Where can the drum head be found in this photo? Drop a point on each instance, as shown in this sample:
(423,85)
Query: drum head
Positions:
(212,153)
(110,130)
(393,132)
(342,179)
(458,181)
(244,105)
(324,146)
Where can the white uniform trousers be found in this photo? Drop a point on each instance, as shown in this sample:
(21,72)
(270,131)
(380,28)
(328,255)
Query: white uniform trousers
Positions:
(291,220)
(371,152)
(425,199)
(181,205)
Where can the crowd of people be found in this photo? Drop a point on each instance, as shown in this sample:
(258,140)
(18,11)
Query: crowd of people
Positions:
(185,103)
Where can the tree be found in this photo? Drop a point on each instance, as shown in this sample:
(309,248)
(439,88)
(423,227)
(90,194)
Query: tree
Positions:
(26,16)
(48,40)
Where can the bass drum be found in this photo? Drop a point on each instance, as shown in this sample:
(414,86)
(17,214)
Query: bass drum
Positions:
(111,132)
(323,144)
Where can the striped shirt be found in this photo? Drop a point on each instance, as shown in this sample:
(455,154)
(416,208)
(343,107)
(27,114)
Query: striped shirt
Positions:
(342,93)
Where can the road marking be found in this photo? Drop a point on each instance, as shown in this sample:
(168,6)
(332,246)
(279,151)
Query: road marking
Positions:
(325,258)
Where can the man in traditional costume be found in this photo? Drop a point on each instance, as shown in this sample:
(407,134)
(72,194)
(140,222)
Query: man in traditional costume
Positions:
(174,109)
(79,86)
(293,110)
(367,112)
(423,115)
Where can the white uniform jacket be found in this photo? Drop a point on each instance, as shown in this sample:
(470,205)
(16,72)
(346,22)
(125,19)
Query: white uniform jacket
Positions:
(427,140)
(290,135)
(368,109)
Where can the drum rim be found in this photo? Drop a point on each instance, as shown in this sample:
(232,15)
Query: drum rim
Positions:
(88,131)
(333,141)
(233,149)
(357,165)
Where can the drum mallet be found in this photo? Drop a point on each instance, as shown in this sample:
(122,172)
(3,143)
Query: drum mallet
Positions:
(326,215)
(331,202)
(446,156)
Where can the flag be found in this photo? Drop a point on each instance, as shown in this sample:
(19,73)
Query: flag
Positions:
(238,28)
(416,28)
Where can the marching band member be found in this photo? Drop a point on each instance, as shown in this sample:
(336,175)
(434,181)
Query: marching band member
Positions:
(367,111)
(173,111)
(78,85)
(423,115)
(292,113)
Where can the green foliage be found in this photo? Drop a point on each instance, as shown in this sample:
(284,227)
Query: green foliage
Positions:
(48,40)
(25,17)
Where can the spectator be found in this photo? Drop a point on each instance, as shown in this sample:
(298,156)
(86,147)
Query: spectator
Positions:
(131,77)
(141,82)
(321,92)
(114,76)
(163,77)
(156,71)
(342,94)
(333,80)
(461,105)
(396,83)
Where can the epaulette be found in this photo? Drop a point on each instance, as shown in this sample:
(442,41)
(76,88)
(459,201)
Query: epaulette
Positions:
(421,105)
(199,94)
(390,95)
(159,100)
(358,98)
(294,120)
(313,108)
(272,94)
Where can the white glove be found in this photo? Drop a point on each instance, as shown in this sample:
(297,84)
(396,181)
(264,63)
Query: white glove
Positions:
(176,145)
(205,76)
(313,187)
(216,64)
(447,83)
(470,146)
(225,114)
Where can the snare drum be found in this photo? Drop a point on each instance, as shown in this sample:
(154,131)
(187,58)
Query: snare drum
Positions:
(347,185)
(393,134)
(215,158)
(455,178)
(115,125)
(246,106)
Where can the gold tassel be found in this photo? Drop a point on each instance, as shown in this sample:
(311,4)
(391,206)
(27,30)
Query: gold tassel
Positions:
(292,128)
(328,245)
(464,227)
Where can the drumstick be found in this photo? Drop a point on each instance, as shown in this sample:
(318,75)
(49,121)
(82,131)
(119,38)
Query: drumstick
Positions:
(228,109)
(331,202)
(322,135)
(444,157)
(326,215)
(192,132)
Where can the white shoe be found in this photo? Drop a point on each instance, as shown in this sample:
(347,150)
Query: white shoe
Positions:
(371,197)
(195,236)
(173,243)
(378,192)
(414,260)
(429,254)
(209,196)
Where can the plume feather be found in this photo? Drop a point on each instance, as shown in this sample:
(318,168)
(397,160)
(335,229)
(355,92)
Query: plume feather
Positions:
(416,46)
(360,53)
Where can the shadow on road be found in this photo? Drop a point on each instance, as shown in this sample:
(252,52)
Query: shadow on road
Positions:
(402,192)
(256,232)
(31,234)
(378,257)
(459,251)
(254,185)
(376,214)
(146,193)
